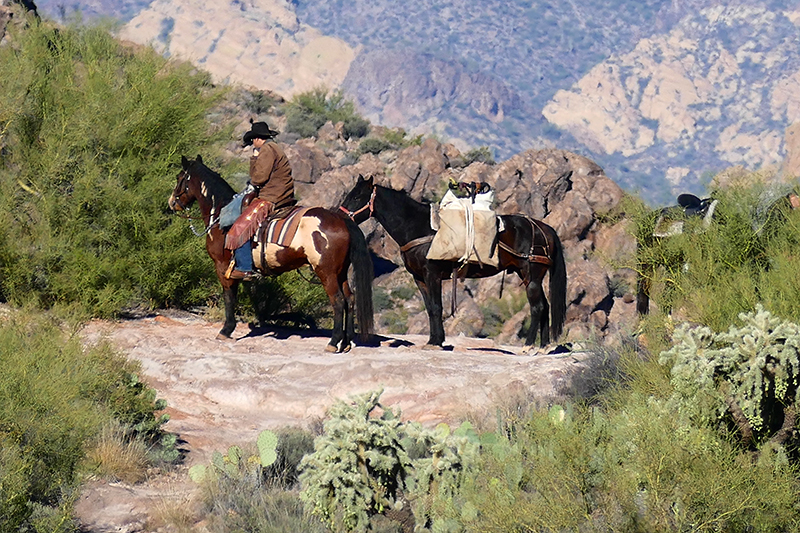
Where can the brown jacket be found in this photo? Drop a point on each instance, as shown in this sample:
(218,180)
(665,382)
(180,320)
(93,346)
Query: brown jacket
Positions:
(271,172)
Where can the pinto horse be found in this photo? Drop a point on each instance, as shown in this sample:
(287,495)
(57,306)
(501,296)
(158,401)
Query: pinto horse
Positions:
(526,246)
(327,241)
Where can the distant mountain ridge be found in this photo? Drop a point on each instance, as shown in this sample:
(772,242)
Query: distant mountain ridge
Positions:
(660,93)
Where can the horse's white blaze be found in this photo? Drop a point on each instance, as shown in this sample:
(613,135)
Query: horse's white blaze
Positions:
(303,239)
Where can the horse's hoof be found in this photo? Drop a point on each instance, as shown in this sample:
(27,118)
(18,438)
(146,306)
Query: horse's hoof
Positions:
(223,337)
(347,347)
(331,348)
(436,347)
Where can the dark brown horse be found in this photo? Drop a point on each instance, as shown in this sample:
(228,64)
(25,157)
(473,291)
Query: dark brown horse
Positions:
(526,246)
(327,241)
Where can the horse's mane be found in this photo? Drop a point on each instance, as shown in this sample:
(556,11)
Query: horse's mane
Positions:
(402,198)
(217,187)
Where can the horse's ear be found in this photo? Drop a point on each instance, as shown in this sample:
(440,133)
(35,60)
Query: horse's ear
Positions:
(369,181)
(199,159)
(184,162)
(360,178)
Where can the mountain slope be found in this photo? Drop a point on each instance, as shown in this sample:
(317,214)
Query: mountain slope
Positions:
(661,93)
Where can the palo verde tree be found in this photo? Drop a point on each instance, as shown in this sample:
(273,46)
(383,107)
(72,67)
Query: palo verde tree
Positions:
(91,132)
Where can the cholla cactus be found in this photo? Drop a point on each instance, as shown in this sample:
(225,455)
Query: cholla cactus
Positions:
(360,467)
(750,373)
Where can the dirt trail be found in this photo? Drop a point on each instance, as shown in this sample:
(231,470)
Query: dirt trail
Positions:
(225,392)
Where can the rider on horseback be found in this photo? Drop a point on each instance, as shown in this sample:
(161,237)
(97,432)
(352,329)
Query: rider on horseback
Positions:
(271,178)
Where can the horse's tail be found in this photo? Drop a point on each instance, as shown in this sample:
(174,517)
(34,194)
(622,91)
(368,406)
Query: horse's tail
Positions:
(363,274)
(558,290)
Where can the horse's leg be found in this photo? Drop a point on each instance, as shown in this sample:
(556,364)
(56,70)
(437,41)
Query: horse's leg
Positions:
(330,283)
(540,322)
(643,279)
(349,316)
(229,296)
(431,289)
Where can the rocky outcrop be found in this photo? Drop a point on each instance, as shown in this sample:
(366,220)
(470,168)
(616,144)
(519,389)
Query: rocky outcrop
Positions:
(15,12)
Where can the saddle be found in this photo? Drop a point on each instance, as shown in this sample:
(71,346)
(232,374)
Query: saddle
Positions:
(279,229)
(671,219)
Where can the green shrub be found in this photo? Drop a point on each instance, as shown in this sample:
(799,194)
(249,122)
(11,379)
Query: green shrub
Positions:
(91,133)
(307,112)
(711,276)
(55,396)
(373,145)
(482,154)
(360,468)
(748,375)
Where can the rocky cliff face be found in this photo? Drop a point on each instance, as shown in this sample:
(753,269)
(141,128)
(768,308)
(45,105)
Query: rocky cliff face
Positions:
(716,91)
(252,42)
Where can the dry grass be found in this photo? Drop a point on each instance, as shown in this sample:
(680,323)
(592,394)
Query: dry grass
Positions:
(117,456)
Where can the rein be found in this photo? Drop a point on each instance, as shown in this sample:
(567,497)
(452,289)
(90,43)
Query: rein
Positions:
(369,205)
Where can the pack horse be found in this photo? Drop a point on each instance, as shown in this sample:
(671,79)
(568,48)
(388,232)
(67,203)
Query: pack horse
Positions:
(530,248)
(326,240)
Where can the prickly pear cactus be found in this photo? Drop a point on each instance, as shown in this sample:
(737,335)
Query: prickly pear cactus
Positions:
(267,444)
(749,374)
(233,465)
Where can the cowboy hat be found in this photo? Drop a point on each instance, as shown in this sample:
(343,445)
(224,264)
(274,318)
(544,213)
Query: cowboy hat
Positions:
(258,130)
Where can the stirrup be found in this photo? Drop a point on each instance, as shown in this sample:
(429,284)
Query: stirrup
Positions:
(231,268)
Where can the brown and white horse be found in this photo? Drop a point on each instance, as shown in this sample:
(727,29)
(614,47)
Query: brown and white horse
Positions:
(327,241)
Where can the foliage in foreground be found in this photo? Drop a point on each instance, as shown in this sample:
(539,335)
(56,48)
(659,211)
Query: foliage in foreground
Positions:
(369,463)
(56,396)
(629,464)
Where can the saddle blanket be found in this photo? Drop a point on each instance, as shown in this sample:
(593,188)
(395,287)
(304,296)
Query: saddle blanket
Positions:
(281,231)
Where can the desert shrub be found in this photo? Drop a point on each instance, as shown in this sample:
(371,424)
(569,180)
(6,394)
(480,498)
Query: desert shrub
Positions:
(633,467)
(55,397)
(91,135)
(257,102)
(481,154)
(743,258)
(748,375)
(293,445)
(381,299)
(398,139)
(244,489)
(307,112)
(373,145)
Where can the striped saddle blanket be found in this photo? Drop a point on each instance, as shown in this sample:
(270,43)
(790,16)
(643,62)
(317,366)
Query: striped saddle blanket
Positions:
(281,230)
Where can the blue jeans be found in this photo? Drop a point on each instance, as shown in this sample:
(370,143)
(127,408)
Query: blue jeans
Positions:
(244,257)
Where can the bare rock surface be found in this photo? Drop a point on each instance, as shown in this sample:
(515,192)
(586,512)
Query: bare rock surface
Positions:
(225,392)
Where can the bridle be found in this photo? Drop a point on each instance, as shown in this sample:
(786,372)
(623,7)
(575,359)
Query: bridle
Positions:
(184,177)
(369,205)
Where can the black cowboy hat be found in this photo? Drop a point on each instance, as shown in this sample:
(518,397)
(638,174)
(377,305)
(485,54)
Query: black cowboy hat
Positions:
(258,130)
